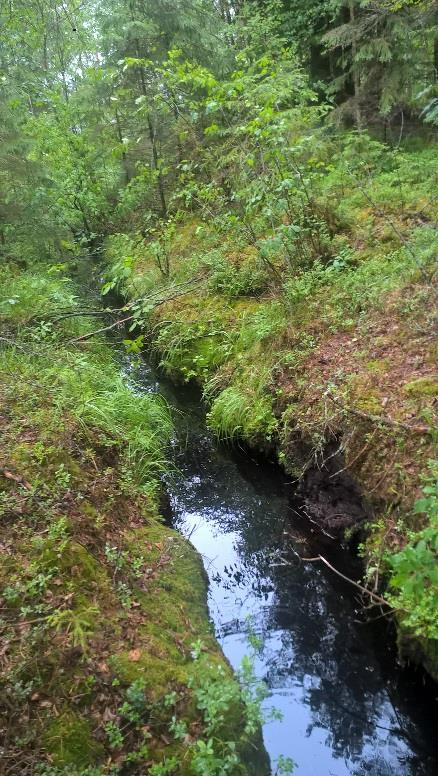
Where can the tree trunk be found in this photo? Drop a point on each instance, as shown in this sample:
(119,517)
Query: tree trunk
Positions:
(124,157)
(355,69)
(155,156)
(153,140)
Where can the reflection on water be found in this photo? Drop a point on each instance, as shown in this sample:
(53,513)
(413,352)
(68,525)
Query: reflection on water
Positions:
(346,709)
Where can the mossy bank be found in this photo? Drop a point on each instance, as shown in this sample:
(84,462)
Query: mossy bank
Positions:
(328,363)
(106,646)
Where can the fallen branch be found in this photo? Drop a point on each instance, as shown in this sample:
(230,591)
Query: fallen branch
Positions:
(379,418)
(60,314)
(129,317)
(377,598)
(190,282)
(16,478)
(84,314)
(100,331)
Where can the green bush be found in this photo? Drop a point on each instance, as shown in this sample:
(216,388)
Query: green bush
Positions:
(34,294)
(414,579)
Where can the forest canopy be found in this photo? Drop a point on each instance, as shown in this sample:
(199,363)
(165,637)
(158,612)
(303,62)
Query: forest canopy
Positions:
(108,107)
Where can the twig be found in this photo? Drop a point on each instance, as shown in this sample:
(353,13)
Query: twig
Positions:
(378,599)
(380,419)
(100,331)
(191,281)
(58,315)
(356,457)
(16,478)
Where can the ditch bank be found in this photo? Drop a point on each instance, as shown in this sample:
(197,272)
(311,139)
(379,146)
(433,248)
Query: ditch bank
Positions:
(348,415)
(107,652)
(347,707)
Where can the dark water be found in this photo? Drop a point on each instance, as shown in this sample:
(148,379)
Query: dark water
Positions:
(347,708)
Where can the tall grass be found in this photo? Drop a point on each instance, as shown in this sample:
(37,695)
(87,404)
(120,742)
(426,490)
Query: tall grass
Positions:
(236,413)
(82,382)
(141,423)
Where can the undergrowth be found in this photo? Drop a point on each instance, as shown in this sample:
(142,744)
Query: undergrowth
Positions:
(100,601)
(310,317)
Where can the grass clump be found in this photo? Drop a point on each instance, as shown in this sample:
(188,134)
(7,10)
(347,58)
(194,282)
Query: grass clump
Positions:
(238,414)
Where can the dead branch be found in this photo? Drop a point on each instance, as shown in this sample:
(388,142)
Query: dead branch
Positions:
(356,457)
(377,598)
(379,418)
(100,331)
(16,478)
(129,317)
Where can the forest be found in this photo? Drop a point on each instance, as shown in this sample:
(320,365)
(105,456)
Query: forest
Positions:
(242,193)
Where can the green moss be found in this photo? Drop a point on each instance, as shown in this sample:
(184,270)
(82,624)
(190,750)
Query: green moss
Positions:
(370,404)
(69,742)
(423,386)
(377,365)
(75,562)
(159,674)
(362,394)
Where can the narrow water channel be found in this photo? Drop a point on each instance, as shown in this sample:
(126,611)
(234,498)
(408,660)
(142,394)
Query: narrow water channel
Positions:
(347,708)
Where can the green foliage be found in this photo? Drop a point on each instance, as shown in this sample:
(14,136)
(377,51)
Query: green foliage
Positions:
(192,145)
(237,413)
(35,294)
(383,68)
(115,735)
(414,577)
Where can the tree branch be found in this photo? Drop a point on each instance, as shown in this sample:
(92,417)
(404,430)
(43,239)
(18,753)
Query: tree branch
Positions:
(377,598)
(380,419)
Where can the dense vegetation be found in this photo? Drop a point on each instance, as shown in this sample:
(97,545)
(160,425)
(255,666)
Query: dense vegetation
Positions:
(109,664)
(258,180)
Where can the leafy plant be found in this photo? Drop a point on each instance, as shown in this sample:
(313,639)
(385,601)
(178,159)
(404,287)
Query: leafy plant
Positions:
(414,578)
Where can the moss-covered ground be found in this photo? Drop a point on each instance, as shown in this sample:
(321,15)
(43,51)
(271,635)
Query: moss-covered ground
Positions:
(100,601)
(339,350)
